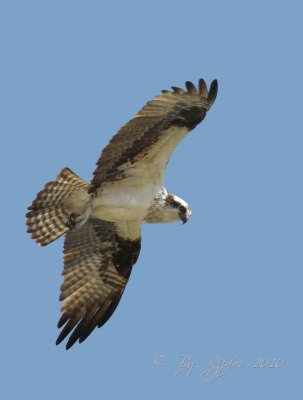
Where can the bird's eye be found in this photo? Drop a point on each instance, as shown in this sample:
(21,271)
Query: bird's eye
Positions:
(182,209)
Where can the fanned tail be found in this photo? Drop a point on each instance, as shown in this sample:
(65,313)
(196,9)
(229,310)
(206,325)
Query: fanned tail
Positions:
(49,216)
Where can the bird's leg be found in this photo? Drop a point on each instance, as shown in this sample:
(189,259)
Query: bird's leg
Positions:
(76,220)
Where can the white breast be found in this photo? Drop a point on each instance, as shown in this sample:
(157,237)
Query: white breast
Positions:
(120,202)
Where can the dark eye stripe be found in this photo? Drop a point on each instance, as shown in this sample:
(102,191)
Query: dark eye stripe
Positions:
(174,204)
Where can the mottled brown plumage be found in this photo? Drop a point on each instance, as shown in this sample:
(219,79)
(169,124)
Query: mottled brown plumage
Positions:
(134,140)
(95,276)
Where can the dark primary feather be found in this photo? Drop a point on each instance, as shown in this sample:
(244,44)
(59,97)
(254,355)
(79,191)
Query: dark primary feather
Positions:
(191,88)
(141,133)
(202,88)
(97,265)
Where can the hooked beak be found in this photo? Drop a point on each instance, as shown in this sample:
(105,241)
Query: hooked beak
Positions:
(184,216)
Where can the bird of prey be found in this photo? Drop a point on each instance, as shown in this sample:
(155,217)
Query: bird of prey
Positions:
(102,219)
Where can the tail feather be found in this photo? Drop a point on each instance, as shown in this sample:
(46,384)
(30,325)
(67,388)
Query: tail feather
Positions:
(50,212)
(47,224)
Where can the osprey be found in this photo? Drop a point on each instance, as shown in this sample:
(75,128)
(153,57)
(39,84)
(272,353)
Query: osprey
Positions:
(102,220)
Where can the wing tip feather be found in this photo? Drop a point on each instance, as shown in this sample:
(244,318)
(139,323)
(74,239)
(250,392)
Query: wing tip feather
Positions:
(213,91)
(190,87)
(178,90)
(202,90)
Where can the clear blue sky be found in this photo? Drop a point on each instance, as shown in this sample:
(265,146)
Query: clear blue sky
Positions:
(229,282)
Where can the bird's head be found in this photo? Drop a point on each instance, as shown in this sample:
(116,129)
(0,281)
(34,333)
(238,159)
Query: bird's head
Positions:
(178,208)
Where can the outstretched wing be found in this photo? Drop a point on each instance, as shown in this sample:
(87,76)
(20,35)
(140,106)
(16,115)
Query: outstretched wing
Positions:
(143,146)
(98,259)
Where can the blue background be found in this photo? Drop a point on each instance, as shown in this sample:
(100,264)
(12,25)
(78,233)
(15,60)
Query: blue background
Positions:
(229,282)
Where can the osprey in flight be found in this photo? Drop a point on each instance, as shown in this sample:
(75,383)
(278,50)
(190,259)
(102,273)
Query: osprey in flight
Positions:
(102,220)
